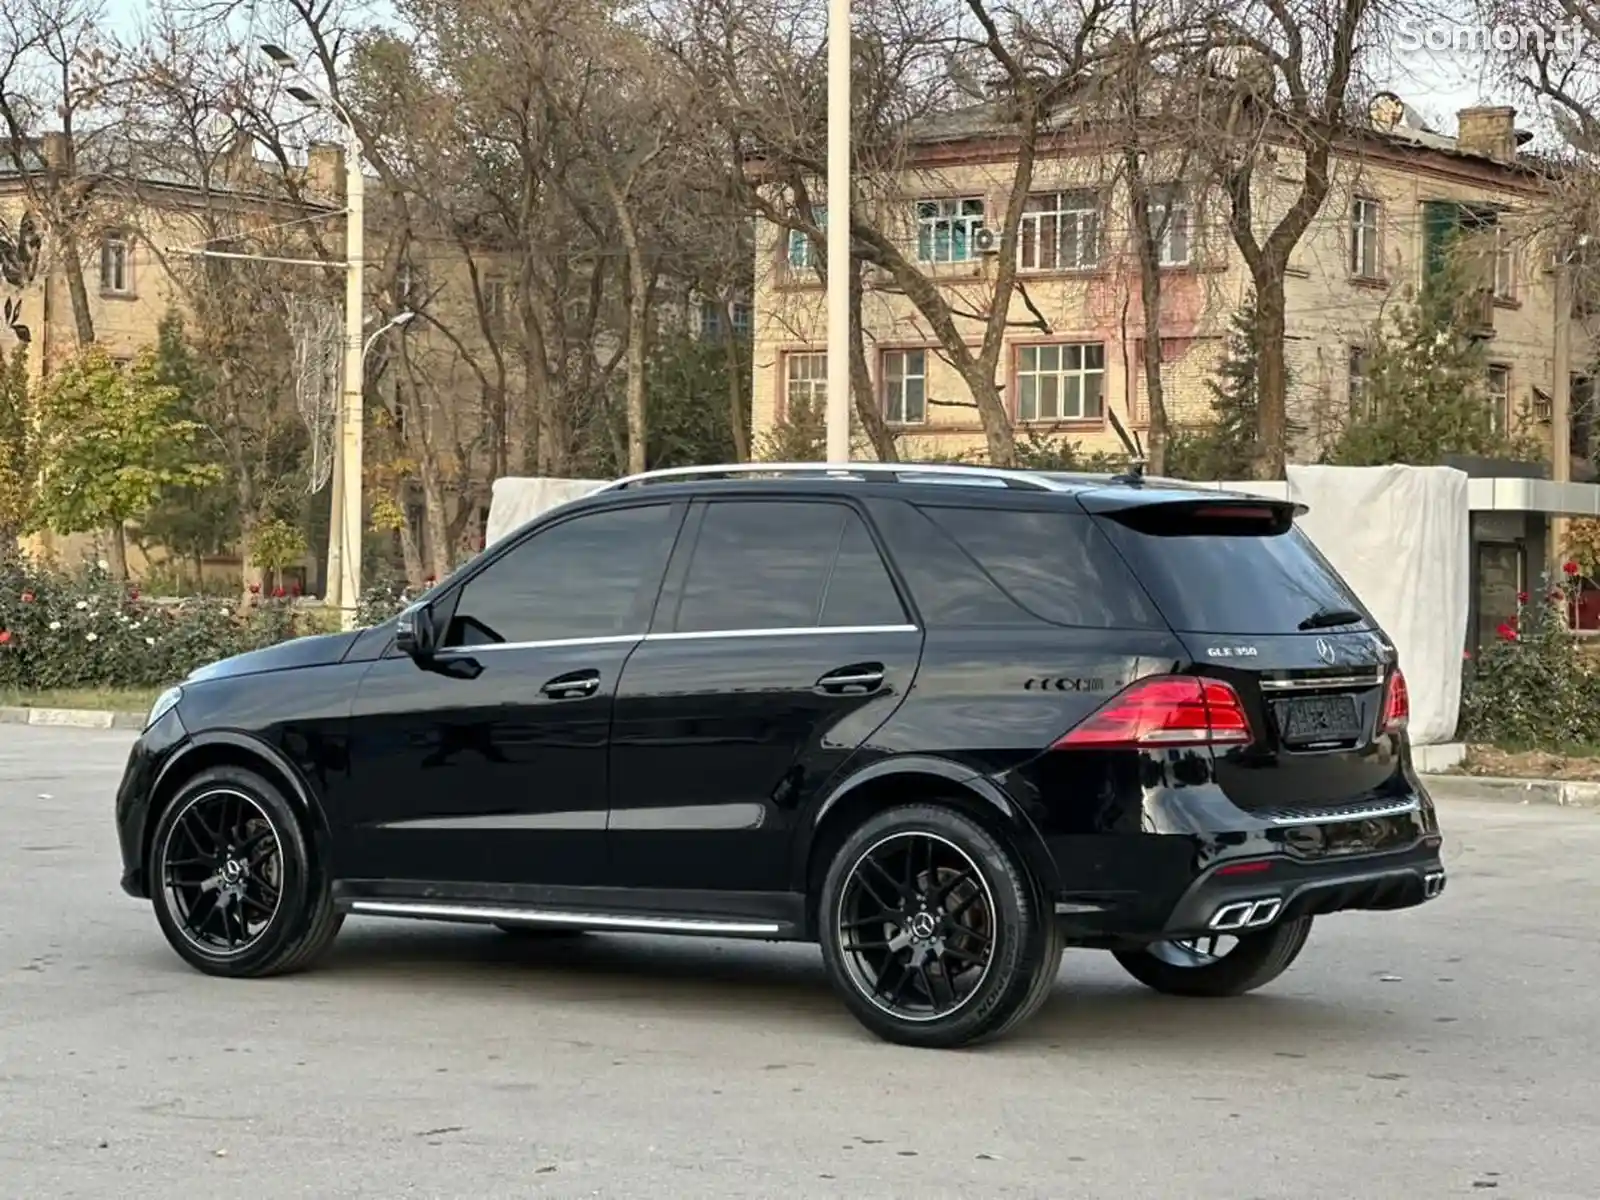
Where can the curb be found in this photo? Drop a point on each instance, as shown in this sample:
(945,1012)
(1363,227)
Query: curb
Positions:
(1566,793)
(72,718)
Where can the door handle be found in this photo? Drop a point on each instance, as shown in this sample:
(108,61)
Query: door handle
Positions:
(572,686)
(858,679)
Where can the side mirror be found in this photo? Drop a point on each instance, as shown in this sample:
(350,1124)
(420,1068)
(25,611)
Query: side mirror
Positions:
(414,632)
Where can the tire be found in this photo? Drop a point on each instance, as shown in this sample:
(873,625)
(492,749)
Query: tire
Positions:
(988,951)
(243,932)
(541,933)
(1254,962)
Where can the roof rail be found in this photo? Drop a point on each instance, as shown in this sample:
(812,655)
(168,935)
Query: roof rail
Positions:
(946,473)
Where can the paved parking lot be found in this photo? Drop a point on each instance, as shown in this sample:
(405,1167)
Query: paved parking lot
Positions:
(1443,1052)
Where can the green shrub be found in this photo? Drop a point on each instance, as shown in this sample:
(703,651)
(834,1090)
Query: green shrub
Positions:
(60,630)
(1533,688)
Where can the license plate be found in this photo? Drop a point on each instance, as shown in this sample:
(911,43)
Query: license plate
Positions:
(1308,720)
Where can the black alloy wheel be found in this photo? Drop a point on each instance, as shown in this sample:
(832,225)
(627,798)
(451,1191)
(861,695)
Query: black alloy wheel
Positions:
(1216,965)
(930,929)
(233,882)
(222,868)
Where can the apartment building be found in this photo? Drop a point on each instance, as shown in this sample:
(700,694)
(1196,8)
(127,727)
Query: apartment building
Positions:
(138,246)
(1400,190)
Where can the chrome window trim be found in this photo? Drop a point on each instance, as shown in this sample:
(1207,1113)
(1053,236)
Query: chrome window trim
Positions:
(708,634)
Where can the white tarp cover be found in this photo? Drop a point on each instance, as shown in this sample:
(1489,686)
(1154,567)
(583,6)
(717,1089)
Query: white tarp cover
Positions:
(1399,536)
(516,501)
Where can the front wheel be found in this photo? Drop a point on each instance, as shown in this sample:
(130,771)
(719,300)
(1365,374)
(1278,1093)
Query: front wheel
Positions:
(931,930)
(233,882)
(1218,965)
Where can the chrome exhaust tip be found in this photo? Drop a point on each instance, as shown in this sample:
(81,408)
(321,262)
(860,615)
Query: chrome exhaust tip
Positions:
(1432,884)
(1233,916)
(1263,912)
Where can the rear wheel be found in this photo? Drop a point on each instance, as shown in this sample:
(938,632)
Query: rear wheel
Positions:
(931,932)
(234,885)
(1220,965)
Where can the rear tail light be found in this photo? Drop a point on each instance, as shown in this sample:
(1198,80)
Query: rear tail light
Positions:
(1164,712)
(1396,703)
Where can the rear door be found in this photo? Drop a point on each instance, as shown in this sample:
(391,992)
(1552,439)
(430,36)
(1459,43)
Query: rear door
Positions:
(1257,605)
(779,645)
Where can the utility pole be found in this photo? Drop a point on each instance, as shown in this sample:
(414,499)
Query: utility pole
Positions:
(344,524)
(1561,405)
(347,472)
(838,231)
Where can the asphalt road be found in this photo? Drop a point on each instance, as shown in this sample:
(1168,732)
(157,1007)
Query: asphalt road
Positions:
(1448,1051)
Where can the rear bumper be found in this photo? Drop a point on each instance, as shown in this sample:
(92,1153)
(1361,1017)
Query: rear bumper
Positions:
(1286,890)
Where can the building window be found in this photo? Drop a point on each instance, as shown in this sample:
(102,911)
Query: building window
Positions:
(496,302)
(1505,266)
(743,319)
(805,385)
(947,230)
(1497,388)
(710,320)
(1061,383)
(1360,405)
(116,265)
(1364,238)
(905,386)
(1060,232)
(407,285)
(1170,221)
(802,253)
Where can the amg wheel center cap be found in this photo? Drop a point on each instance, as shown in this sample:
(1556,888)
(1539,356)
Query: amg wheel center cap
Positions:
(232,870)
(922,925)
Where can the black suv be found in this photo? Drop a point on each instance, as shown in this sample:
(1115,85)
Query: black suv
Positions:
(942,720)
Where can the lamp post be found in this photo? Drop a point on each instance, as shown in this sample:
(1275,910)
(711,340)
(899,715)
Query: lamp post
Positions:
(344,526)
(838,210)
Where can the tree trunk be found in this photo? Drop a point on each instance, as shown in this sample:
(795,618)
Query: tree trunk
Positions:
(77,289)
(638,338)
(435,522)
(411,553)
(734,367)
(117,539)
(1147,241)
(866,399)
(1273,379)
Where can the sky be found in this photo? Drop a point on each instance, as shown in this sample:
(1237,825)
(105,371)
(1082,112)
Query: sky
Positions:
(1436,82)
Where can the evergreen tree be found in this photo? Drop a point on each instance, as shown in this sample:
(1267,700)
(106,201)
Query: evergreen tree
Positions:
(1426,384)
(1225,449)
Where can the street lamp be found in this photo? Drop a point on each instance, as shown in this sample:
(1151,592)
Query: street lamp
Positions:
(344,526)
(394,322)
(838,210)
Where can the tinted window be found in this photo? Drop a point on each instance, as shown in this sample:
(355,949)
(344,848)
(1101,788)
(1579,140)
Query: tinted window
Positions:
(947,585)
(760,566)
(1245,582)
(581,578)
(860,591)
(1057,565)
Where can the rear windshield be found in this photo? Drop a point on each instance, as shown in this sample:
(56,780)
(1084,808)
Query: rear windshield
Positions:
(1249,579)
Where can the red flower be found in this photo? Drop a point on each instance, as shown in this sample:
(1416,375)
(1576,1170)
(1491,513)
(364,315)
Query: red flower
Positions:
(277,593)
(5,637)
(1466,655)
(1522,597)
(294,589)
(1507,633)
(27,597)
(255,589)
(1571,568)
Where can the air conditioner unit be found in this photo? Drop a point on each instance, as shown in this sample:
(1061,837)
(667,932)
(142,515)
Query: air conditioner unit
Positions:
(986,241)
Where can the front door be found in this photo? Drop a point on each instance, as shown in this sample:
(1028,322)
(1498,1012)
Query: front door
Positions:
(488,766)
(779,645)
